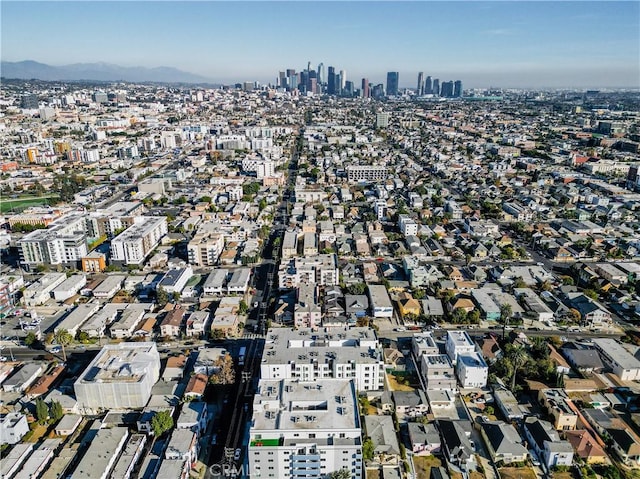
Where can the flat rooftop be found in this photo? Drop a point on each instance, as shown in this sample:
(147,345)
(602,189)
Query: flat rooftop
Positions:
(123,362)
(328,404)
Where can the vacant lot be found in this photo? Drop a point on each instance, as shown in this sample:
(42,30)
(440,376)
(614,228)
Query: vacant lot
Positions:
(424,464)
(518,473)
(396,386)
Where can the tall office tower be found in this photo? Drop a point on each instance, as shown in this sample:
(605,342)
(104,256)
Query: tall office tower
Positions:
(447,89)
(428,86)
(349,89)
(331,81)
(282,79)
(308,66)
(420,87)
(293,82)
(378,91)
(436,87)
(291,71)
(321,78)
(338,82)
(457,89)
(343,79)
(365,88)
(304,79)
(312,85)
(392,83)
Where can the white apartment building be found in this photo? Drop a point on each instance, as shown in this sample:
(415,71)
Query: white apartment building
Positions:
(290,245)
(458,342)
(205,247)
(381,306)
(40,291)
(133,245)
(305,429)
(308,355)
(407,225)
(175,280)
(472,370)
(437,372)
(622,362)
(364,173)
(120,376)
(13,426)
(321,269)
(62,243)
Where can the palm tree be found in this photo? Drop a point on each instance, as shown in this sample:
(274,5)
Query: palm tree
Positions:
(506,311)
(518,356)
(63,338)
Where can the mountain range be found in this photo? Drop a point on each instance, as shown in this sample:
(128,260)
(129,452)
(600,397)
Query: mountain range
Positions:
(29,69)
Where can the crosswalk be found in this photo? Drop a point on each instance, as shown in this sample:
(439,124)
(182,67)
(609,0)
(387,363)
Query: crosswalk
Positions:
(252,336)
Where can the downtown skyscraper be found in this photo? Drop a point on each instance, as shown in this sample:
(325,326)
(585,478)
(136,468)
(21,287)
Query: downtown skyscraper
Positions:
(392,83)
(420,86)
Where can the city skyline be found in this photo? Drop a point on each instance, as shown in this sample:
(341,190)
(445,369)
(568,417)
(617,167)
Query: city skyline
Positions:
(505,44)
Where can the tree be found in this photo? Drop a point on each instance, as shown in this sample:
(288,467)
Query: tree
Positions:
(63,338)
(518,356)
(474,317)
(31,339)
(162,297)
(225,374)
(368,449)
(343,473)
(161,423)
(357,288)
(243,307)
(519,283)
(506,311)
(459,316)
(55,411)
(42,411)
(590,293)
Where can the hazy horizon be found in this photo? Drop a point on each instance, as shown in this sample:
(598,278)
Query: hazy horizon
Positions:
(500,44)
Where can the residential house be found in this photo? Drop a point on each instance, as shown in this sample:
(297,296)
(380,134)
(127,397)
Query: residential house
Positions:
(546,443)
(456,446)
(172,323)
(626,445)
(381,431)
(503,442)
(560,407)
(410,403)
(587,447)
(356,305)
(407,305)
(424,438)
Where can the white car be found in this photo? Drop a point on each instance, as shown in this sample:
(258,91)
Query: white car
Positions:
(3,359)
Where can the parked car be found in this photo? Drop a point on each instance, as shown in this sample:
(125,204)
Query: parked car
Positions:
(236,454)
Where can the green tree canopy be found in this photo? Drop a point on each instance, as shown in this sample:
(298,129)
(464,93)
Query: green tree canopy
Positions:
(161,423)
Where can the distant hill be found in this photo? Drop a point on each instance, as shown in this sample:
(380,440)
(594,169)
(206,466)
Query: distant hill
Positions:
(29,69)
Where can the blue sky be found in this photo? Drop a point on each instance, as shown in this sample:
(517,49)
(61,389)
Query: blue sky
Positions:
(506,43)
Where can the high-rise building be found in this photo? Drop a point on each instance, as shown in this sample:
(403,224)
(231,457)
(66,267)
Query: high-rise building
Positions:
(293,82)
(349,89)
(457,89)
(365,88)
(420,86)
(29,101)
(338,82)
(392,83)
(321,79)
(331,81)
(428,86)
(436,87)
(291,71)
(282,79)
(343,79)
(446,90)
(378,91)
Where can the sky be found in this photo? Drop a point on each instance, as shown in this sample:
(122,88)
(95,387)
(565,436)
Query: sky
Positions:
(503,43)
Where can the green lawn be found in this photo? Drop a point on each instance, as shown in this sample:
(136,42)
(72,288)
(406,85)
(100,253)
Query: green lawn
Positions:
(18,204)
